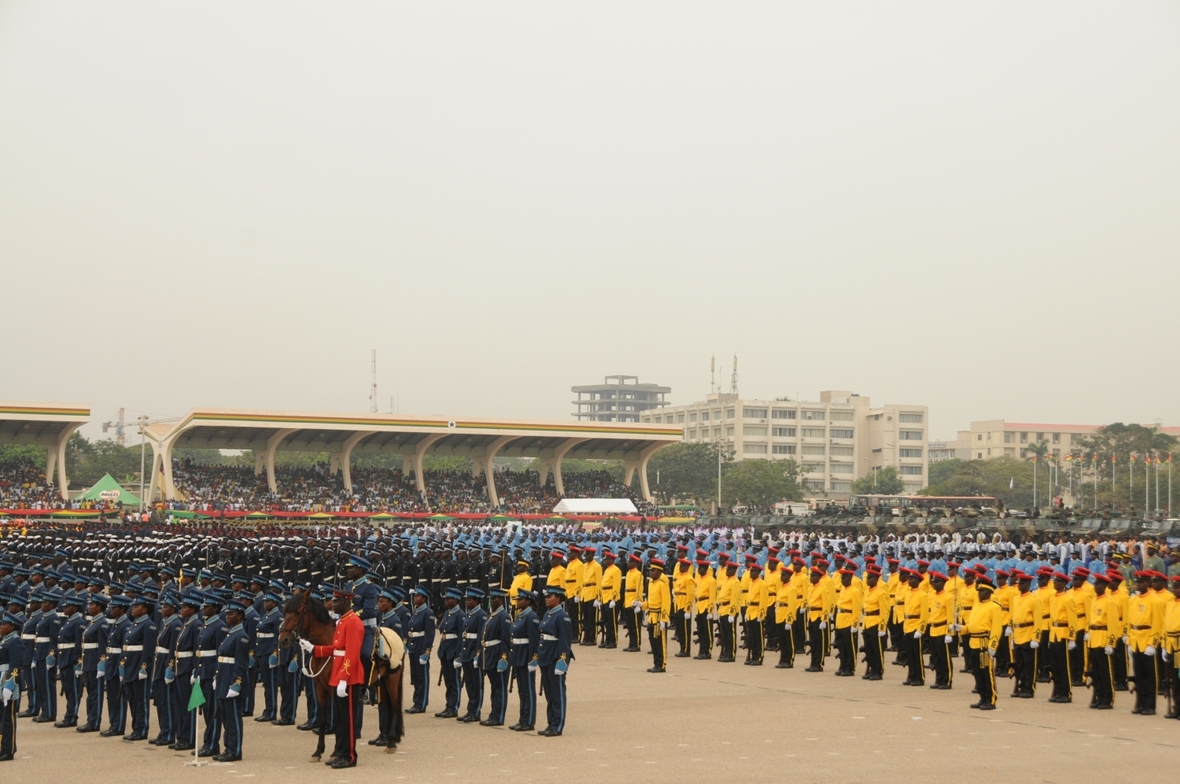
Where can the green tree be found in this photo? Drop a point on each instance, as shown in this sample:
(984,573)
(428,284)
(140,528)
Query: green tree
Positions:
(886,481)
(984,477)
(686,471)
(1126,491)
(761,483)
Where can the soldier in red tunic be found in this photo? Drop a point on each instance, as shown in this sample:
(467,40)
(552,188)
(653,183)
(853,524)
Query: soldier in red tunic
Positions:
(348,675)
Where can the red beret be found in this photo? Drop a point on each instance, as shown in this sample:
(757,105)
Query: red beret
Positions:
(1102,578)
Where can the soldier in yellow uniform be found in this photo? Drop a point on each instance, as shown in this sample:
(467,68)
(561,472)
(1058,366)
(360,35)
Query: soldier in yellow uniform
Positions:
(705,607)
(1061,640)
(898,597)
(1044,592)
(799,583)
(658,607)
(984,632)
(589,595)
(728,601)
(940,630)
(757,606)
(1172,648)
(574,568)
(1079,597)
(893,622)
(819,608)
(773,576)
(966,601)
(1099,639)
(683,595)
(632,601)
(849,607)
(1145,627)
(609,598)
(1026,636)
(916,615)
(1003,596)
(1118,594)
(956,589)
(786,610)
(521,581)
(876,611)
(556,574)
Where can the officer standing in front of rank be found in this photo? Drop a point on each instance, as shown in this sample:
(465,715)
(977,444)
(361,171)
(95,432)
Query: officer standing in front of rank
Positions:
(470,658)
(554,654)
(526,641)
(184,666)
(266,647)
(450,647)
(69,653)
(45,658)
(139,650)
(109,667)
(94,647)
(164,671)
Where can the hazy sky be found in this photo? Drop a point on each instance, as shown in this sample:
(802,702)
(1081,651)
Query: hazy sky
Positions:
(230,204)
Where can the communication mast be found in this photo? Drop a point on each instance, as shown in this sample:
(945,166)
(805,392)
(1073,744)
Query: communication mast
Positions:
(733,378)
(713,374)
(373,386)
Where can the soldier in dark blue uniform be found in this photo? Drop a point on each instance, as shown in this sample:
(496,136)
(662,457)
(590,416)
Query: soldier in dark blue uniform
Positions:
(526,640)
(250,624)
(450,648)
(108,667)
(496,646)
(387,619)
(94,648)
(212,634)
(233,660)
(164,690)
(554,654)
(184,666)
(289,678)
(28,637)
(139,652)
(45,658)
(471,657)
(266,656)
(419,644)
(13,659)
(364,604)
(69,657)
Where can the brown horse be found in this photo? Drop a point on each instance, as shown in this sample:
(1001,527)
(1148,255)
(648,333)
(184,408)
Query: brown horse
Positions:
(308,618)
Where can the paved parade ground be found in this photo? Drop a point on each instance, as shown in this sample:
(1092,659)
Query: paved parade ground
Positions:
(702,720)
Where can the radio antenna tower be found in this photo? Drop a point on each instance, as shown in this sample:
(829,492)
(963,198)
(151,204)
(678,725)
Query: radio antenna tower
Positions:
(713,374)
(733,378)
(373,386)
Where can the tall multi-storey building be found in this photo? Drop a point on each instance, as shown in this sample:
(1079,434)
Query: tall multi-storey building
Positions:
(839,439)
(991,438)
(618,399)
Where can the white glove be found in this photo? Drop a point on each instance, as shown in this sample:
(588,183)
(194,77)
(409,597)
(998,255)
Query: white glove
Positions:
(713,616)
(306,645)
(1034,645)
(882,634)
(577,600)
(5,696)
(823,624)
(1108,650)
(1071,645)
(1167,656)
(233,692)
(342,689)
(947,639)
(192,679)
(663,625)
(636,606)
(917,635)
(458,664)
(612,604)
(597,602)
(1086,637)
(1126,640)
(1149,650)
(1007,631)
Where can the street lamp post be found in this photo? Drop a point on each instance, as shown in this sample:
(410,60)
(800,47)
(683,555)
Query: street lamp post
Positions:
(142,455)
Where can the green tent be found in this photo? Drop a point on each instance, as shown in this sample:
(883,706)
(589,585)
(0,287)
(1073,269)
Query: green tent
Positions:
(108,485)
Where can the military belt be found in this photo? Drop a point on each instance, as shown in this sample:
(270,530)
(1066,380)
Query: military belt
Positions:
(874,612)
(1140,628)
(114,650)
(1024,625)
(470,636)
(520,640)
(65,646)
(205,654)
(1061,626)
(226,660)
(132,648)
(338,653)
(27,637)
(89,646)
(450,636)
(40,640)
(549,637)
(370,622)
(184,654)
(417,634)
(490,643)
(913,617)
(264,635)
(1098,628)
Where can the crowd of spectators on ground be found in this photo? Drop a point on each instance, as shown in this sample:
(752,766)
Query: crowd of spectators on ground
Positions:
(23,486)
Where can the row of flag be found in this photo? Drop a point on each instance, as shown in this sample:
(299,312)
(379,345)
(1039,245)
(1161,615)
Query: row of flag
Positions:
(1145,459)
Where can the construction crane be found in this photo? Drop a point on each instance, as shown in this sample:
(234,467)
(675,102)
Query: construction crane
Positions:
(120,428)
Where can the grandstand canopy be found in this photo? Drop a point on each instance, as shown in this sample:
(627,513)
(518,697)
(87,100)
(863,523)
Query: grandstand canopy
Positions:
(342,435)
(44,424)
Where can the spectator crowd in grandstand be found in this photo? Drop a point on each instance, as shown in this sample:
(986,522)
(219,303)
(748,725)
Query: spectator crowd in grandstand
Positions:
(23,486)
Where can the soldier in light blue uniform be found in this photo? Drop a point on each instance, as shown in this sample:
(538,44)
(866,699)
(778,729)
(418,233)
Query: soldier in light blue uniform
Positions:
(419,645)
